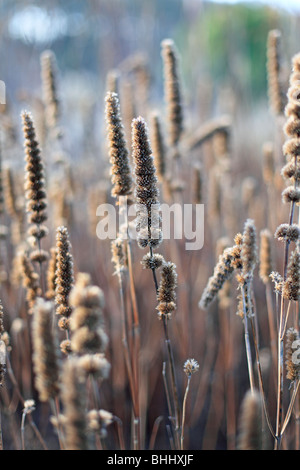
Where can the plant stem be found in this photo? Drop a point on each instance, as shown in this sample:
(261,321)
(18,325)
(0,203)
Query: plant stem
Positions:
(183,411)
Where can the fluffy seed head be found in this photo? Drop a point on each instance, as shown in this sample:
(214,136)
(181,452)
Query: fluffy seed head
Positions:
(250,425)
(190,366)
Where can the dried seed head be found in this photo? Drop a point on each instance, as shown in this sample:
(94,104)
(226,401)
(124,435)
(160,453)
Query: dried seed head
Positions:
(29,406)
(291,194)
(66,347)
(268,162)
(50,95)
(9,192)
(146,192)
(39,256)
(34,174)
(250,425)
(265,258)
(287,232)
(74,399)
(51,275)
(292,111)
(95,364)
(277,279)
(228,261)
(31,281)
(291,286)
(64,272)
(99,420)
(119,257)
(167,290)
(172,89)
(291,171)
(292,354)
(245,303)
(119,158)
(249,248)
(154,261)
(87,321)
(190,367)
(275,85)
(158,146)
(45,355)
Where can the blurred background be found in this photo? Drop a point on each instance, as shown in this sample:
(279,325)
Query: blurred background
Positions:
(222,48)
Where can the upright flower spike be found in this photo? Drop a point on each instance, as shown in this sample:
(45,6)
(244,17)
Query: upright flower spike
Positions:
(35,192)
(50,95)
(146,192)
(87,321)
(158,146)
(291,286)
(64,276)
(291,147)
(31,281)
(172,91)
(275,88)
(118,153)
(250,422)
(74,399)
(228,261)
(265,257)
(249,248)
(167,290)
(45,353)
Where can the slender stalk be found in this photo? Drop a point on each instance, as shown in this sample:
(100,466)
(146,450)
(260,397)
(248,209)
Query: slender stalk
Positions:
(290,408)
(183,411)
(171,361)
(247,344)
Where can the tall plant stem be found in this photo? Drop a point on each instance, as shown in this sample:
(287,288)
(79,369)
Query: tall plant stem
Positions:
(131,356)
(183,411)
(247,343)
(172,363)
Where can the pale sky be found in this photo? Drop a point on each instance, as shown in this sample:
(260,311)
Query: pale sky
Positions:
(291,5)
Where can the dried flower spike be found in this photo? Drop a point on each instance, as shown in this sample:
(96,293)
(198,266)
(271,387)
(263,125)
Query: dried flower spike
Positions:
(265,266)
(45,355)
(87,321)
(167,290)
(275,86)
(74,397)
(119,158)
(292,354)
(172,91)
(249,248)
(250,425)
(291,286)
(146,192)
(50,95)
(64,272)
